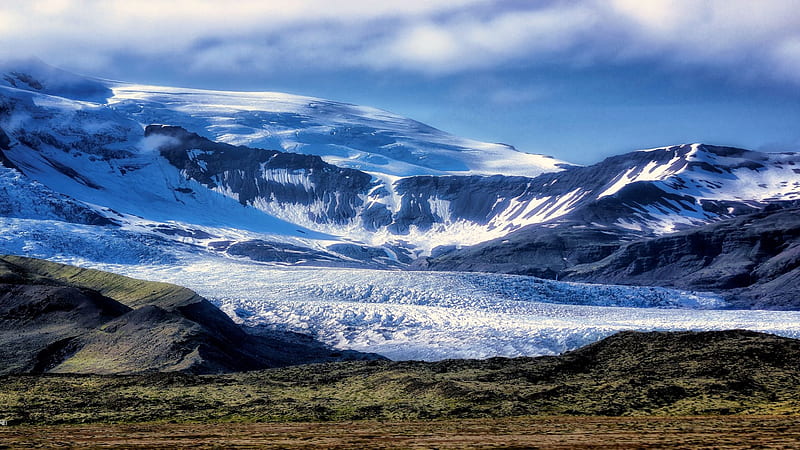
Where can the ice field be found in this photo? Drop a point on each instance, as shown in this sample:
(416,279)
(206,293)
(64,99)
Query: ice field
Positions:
(440,315)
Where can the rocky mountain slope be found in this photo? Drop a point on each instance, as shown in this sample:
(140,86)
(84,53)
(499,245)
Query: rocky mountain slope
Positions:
(58,318)
(751,258)
(754,258)
(728,372)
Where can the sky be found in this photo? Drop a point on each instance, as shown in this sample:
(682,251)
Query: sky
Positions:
(579,80)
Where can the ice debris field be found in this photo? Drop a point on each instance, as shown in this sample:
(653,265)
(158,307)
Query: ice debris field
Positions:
(440,315)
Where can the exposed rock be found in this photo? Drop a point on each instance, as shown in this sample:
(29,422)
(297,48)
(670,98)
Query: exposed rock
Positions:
(256,175)
(537,250)
(754,258)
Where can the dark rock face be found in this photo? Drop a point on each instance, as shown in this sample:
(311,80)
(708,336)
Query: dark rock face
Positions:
(269,175)
(756,258)
(472,198)
(56,318)
(753,259)
(287,178)
(537,251)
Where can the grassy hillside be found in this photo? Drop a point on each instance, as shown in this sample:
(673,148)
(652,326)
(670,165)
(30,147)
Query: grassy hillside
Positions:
(65,319)
(627,374)
(128,291)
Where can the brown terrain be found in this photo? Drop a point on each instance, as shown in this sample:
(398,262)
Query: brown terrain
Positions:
(519,432)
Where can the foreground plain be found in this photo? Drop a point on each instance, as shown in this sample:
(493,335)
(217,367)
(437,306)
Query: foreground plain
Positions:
(527,432)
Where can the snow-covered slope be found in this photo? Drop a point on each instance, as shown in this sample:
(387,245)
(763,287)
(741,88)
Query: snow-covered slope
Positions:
(345,135)
(702,182)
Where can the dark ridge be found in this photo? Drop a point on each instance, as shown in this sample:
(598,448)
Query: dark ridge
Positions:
(241,168)
(754,258)
(70,172)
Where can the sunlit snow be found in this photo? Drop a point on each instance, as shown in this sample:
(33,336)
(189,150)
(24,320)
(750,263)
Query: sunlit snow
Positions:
(358,137)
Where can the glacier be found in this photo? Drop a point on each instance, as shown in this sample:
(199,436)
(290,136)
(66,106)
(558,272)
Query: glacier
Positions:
(441,315)
(403,315)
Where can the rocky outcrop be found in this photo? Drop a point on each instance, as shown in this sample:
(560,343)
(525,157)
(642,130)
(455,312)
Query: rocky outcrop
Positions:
(258,177)
(754,258)
(537,251)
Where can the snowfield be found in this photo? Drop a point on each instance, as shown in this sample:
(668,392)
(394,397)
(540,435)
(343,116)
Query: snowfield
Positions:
(440,315)
(358,137)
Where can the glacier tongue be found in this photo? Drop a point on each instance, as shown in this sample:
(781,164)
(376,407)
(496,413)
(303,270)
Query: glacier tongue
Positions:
(433,316)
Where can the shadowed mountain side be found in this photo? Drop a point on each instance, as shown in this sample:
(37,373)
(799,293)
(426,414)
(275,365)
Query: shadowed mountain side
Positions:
(630,373)
(59,318)
(754,259)
(536,250)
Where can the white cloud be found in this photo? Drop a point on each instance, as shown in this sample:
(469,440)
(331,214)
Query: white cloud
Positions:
(757,39)
(727,35)
(787,58)
(478,42)
(422,45)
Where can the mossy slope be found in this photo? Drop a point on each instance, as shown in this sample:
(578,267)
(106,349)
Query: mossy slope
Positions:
(60,318)
(730,372)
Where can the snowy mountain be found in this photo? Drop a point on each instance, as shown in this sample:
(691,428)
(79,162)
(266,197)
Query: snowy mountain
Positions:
(639,196)
(357,137)
(95,151)
(298,180)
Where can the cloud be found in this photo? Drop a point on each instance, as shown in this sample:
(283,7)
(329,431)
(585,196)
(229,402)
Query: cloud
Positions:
(755,40)
(477,42)
(154,143)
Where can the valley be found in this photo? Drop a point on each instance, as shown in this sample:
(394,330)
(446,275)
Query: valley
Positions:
(372,232)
